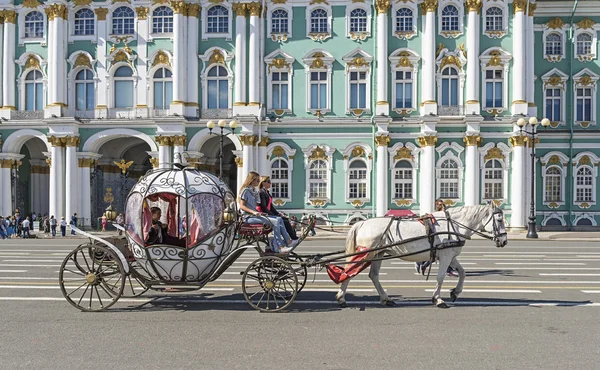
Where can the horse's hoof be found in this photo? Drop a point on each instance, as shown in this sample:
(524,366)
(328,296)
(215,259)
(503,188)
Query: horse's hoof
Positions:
(453,295)
(343,304)
(442,305)
(390,303)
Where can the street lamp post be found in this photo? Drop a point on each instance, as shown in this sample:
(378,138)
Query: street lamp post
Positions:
(531,134)
(222,124)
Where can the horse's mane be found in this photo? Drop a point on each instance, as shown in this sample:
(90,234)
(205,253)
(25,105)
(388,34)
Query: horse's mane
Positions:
(470,212)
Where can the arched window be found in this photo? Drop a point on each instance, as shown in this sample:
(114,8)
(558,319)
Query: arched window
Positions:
(358,20)
(584,185)
(318,21)
(217,20)
(84,22)
(34,25)
(554,44)
(123,21)
(553,185)
(450,85)
(584,44)
(279,21)
(450,18)
(163,88)
(218,86)
(449,179)
(162,20)
(403,180)
(493,180)
(280,177)
(84,90)
(123,92)
(34,91)
(493,19)
(317,179)
(404,20)
(357,180)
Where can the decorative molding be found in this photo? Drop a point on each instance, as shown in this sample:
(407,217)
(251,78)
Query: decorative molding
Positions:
(404,153)
(163,140)
(473,5)
(382,6)
(248,139)
(494,153)
(585,24)
(31,4)
(382,140)
(179,7)
(555,23)
(161,58)
(519,6)
(254,8)
(517,140)
(429,6)
(82,61)
(142,13)
(101,13)
(427,140)
(472,140)
(240,9)
(57,10)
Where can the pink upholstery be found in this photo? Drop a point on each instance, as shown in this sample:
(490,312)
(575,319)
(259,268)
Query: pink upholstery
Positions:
(253,230)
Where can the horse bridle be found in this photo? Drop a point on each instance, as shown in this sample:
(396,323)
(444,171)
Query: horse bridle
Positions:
(495,218)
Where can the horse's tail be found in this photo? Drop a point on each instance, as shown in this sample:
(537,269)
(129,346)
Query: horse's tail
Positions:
(351,238)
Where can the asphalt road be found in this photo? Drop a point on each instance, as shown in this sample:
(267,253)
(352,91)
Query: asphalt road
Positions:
(527,306)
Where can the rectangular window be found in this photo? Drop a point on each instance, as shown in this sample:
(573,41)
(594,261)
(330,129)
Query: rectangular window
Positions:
(123,94)
(493,89)
(403,184)
(584,104)
(450,91)
(318,190)
(84,96)
(404,90)
(553,104)
(553,191)
(279,90)
(358,90)
(318,90)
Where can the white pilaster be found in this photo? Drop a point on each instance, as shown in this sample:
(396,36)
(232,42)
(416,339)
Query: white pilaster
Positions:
(428,102)
(471,170)
(473,35)
(192,61)
(519,103)
(383,105)
(178,148)
(264,165)
(8,61)
(56,176)
(179,57)
(85,167)
(254,9)
(101,65)
(427,173)
(240,55)
(5,188)
(530,60)
(518,185)
(381,200)
(72,199)
(142,65)
(164,151)
(1,55)
(248,142)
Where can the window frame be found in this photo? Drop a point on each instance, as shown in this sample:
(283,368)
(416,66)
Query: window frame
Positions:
(280,150)
(22,62)
(404,152)
(495,59)
(459,87)
(451,34)
(311,154)
(408,34)
(113,81)
(559,29)
(164,80)
(593,34)
(111,24)
(35,83)
(585,79)
(404,60)
(451,152)
(316,63)
(589,161)
(554,160)
(278,61)
(93,23)
(555,79)
(280,36)
(154,35)
(21,28)
(489,152)
(76,82)
(359,66)
(358,35)
(495,34)
(319,36)
(358,151)
(204,24)
(207,64)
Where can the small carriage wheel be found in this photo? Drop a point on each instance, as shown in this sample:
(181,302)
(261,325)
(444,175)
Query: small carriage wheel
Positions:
(300,269)
(84,280)
(270,284)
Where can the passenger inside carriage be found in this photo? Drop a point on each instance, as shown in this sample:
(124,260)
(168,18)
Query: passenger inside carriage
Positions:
(158,233)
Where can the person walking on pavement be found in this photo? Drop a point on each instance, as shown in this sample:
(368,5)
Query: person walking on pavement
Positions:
(3,228)
(53,225)
(63,226)
(25,225)
(73,222)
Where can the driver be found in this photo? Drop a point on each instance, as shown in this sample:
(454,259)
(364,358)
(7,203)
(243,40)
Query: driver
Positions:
(158,232)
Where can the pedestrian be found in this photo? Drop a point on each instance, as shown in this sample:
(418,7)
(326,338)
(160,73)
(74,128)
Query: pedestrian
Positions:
(46,225)
(73,222)
(25,225)
(10,226)
(3,228)
(305,221)
(53,225)
(104,221)
(63,226)
(120,219)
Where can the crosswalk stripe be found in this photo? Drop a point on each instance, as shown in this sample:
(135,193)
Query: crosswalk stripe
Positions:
(13,271)
(591,291)
(561,274)
(492,290)
(540,263)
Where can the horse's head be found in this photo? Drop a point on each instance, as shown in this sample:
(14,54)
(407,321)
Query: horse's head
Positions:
(495,226)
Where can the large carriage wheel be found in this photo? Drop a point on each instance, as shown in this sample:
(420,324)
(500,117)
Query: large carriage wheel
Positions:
(300,269)
(134,283)
(92,278)
(270,284)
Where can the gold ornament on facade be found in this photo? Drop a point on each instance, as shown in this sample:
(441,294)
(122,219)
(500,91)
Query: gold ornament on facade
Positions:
(101,13)
(154,162)
(179,7)
(279,63)
(382,140)
(404,35)
(494,153)
(71,141)
(49,162)
(585,160)
(554,160)
(279,1)
(82,61)
(318,61)
(161,58)
(584,124)
(57,10)
(439,49)
(450,60)
(553,205)
(584,205)
(142,12)
(427,140)
(472,140)
(554,81)
(32,62)
(313,2)
(179,140)
(585,81)
(318,36)
(254,8)
(404,153)
(461,47)
(357,62)
(121,56)
(532,8)
(279,202)
(519,5)
(317,202)
(216,58)
(109,197)
(449,203)
(248,139)
(124,166)
(429,6)
(56,141)
(317,153)
(450,34)
(239,9)
(7,163)
(555,23)
(264,141)
(495,60)
(517,140)
(403,202)
(163,140)
(192,10)
(215,1)
(358,151)
(120,1)
(279,37)
(10,16)
(239,161)
(358,36)
(382,6)
(31,4)
(357,203)
(81,2)
(585,24)
(278,151)
(473,5)
(87,162)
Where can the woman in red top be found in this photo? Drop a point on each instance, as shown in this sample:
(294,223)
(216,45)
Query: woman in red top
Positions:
(266,205)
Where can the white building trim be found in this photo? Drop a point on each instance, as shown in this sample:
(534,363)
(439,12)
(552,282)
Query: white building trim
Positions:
(22,12)
(589,161)
(559,161)
(451,59)
(414,8)
(358,35)
(451,152)
(408,152)
(555,79)
(279,61)
(591,30)
(216,56)
(318,60)
(274,152)
(495,59)
(71,24)
(319,36)
(500,152)
(312,154)
(24,68)
(560,29)
(503,6)
(585,79)
(205,6)
(358,151)
(459,5)
(280,36)
(405,60)
(358,61)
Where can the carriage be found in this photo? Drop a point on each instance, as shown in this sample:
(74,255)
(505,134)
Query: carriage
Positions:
(204,236)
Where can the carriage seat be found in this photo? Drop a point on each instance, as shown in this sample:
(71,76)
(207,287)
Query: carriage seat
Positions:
(254,230)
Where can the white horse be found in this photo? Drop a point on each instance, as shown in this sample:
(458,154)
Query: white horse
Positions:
(460,225)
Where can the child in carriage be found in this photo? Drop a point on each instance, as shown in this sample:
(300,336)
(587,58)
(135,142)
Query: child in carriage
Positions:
(248,202)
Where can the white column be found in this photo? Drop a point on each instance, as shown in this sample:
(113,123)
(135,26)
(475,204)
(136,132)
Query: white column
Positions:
(179,57)
(518,185)
(428,51)
(427,173)
(8,61)
(33,186)
(178,148)
(519,104)
(86,190)
(56,59)
(264,165)
(192,60)
(142,65)
(383,106)
(381,199)
(61,57)
(164,151)
(72,200)
(101,65)
(248,142)
(472,104)
(5,195)
(530,59)
(239,162)
(1,53)
(471,169)
(240,55)
(56,176)
(254,9)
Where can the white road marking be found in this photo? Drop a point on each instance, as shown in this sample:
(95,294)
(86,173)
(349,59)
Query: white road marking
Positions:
(493,290)
(508,268)
(513,255)
(75,286)
(48,261)
(20,265)
(412,263)
(13,271)
(431,282)
(336,290)
(591,291)
(540,263)
(560,274)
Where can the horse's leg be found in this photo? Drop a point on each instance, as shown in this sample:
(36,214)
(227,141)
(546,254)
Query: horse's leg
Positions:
(342,292)
(454,293)
(444,262)
(374,275)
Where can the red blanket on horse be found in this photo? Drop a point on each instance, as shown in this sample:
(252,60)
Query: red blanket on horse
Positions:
(353,267)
